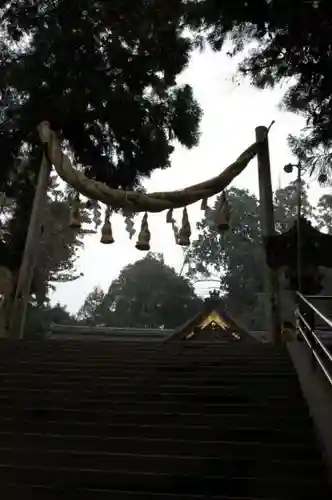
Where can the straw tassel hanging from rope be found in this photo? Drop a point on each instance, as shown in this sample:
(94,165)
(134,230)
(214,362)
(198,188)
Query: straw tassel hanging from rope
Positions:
(130,225)
(96,214)
(143,242)
(221,214)
(204,204)
(208,212)
(185,231)
(106,230)
(170,220)
(74,215)
(169,216)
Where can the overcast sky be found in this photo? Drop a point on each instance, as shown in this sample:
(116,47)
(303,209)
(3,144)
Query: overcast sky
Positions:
(231,111)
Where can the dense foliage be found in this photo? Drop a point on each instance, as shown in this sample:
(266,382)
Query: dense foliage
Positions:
(292,43)
(147,294)
(237,254)
(58,245)
(104,75)
(40,317)
(94,310)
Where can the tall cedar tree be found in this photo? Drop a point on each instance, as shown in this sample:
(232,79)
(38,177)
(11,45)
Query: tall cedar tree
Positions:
(294,43)
(146,294)
(104,74)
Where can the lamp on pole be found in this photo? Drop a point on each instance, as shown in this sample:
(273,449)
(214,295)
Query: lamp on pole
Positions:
(289,169)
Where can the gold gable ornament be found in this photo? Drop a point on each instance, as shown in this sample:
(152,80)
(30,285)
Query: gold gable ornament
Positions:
(74,215)
(143,242)
(213,317)
(221,214)
(185,231)
(106,230)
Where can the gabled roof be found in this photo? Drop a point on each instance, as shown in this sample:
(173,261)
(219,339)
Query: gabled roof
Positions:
(213,323)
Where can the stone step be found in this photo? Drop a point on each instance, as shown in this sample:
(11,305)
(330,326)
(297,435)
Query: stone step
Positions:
(214,394)
(258,462)
(217,444)
(139,356)
(42,408)
(97,345)
(108,366)
(198,482)
(255,348)
(133,355)
(87,370)
(44,405)
(17,492)
(90,419)
(57,382)
(166,425)
(142,389)
(200,432)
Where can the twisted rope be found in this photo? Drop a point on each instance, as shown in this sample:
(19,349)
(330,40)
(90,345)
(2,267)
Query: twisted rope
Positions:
(132,200)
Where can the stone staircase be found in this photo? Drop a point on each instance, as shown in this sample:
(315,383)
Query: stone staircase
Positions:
(98,420)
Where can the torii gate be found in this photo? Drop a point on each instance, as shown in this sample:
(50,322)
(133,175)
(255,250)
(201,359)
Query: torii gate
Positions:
(133,202)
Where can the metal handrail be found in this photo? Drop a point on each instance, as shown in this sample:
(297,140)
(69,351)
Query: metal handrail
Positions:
(317,297)
(321,364)
(317,339)
(314,309)
(322,354)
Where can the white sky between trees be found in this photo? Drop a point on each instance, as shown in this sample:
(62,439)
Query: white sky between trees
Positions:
(231,111)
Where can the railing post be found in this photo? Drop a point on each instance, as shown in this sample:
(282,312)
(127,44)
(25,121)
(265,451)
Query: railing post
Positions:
(268,229)
(299,324)
(308,315)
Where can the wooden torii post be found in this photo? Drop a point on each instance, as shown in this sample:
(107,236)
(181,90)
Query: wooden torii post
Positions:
(271,281)
(23,286)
